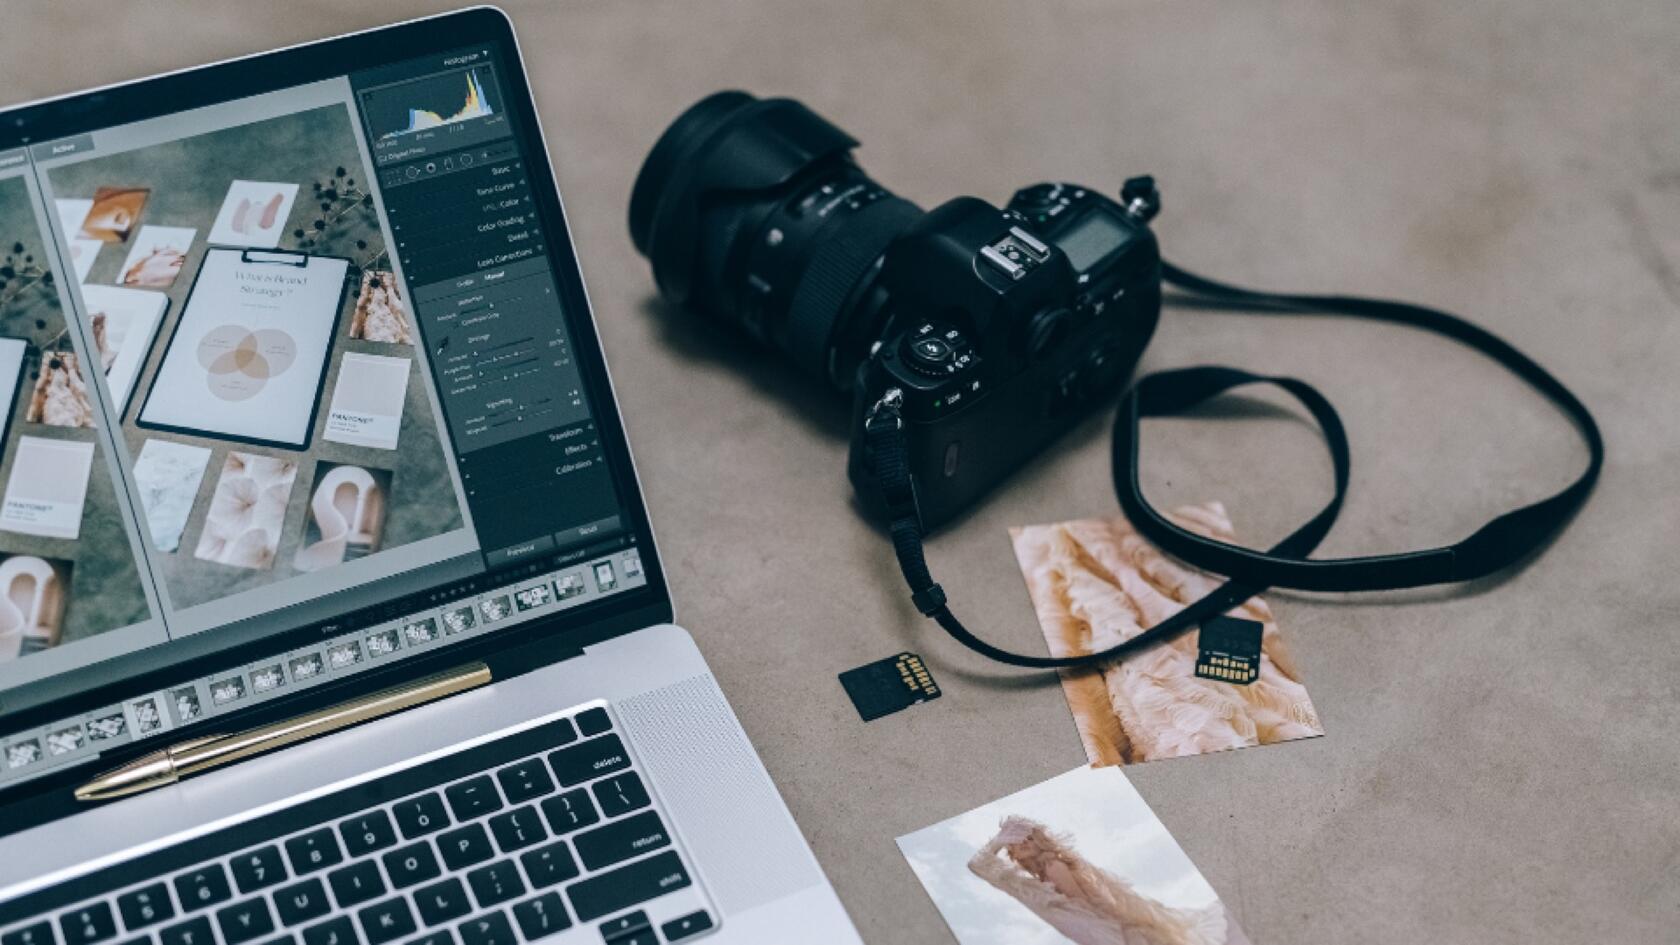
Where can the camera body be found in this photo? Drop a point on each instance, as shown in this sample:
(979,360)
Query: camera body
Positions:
(993,330)
(1006,328)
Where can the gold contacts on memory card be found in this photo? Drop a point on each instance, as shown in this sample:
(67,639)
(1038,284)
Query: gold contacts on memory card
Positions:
(890,685)
(1228,650)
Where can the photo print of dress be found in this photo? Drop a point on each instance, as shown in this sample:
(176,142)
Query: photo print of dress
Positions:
(247,512)
(346,517)
(247,357)
(60,396)
(1078,859)
(1095,583)
(380,312)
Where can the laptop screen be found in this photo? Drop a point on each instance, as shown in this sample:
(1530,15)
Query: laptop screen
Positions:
(291,388)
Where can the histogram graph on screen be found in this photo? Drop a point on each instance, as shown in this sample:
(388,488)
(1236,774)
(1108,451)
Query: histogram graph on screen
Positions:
(436,101)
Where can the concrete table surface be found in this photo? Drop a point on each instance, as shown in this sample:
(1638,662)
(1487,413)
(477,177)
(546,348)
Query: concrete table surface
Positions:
(1502,764)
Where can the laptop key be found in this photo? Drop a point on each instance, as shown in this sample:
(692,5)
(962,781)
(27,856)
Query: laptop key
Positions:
(518,828)
(549,865)
(473,797)
(367,832)
(145,906)
(258,869)
(412,864)
(541,916)
(440,937)
(301,902)
(315,850)
(465,846)
(589,760)
(570,811)
(492,928)
(387,920)
(282,940)
(627,886)
(335,931)
(686,927)
(625,924)
(496,883)
(202,887)
(620,794)
(195,931)
(41,933)
(622,839)
(593,721)
(91,923)
(357,883)
(421,815)
(244,921)
(441,902)
(525,780)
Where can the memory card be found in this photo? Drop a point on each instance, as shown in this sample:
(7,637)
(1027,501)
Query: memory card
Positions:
(890,685)
(1229,650)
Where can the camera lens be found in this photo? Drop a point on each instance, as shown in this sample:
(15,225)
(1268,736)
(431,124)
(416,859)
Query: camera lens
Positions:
(753,211)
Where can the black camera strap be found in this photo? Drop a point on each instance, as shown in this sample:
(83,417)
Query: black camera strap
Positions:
(1497,545)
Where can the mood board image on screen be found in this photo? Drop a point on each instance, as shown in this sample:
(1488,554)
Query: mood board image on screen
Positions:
(217,406)
(68,565)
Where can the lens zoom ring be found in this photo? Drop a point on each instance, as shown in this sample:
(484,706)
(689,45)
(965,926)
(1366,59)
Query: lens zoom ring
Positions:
(835,267)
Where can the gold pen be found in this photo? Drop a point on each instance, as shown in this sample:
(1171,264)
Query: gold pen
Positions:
(201,754)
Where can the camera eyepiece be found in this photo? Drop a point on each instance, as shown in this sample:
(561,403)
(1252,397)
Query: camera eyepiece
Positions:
(752,210)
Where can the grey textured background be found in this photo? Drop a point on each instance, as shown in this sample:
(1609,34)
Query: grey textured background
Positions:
(1501,765)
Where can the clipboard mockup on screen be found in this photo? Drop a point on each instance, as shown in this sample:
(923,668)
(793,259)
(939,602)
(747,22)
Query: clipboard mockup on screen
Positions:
(248,357)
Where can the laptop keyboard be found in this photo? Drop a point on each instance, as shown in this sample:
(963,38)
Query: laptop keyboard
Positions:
(548,834)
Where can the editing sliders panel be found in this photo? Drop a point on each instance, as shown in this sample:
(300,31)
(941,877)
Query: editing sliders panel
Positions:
(475,258)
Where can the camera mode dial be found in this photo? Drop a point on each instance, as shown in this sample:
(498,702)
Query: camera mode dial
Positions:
(1041,204)
(937,350)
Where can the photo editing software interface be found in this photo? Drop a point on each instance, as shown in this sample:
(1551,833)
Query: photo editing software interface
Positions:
(288,365)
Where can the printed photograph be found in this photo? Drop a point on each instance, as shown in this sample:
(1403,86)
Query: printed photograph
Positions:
(124,324)
(254,213)
(156,256)
(33,595)
(1078,859)
(346,515)
(380,314)
(113,213)
(247,511)
(1095,583)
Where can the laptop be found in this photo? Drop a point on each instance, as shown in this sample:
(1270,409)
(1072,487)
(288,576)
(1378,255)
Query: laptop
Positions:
(304,403)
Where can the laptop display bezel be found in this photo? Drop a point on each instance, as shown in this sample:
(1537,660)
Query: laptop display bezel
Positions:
(535,642)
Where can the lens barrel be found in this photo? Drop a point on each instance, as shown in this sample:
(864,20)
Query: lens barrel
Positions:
(753,211)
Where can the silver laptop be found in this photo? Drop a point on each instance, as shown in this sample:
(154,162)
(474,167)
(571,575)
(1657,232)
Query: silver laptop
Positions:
(304,407)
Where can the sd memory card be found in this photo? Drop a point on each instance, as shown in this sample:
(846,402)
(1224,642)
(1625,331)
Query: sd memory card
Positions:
(887,686)
(1229,650)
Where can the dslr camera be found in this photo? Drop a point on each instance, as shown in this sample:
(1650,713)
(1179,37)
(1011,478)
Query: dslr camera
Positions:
(988,331)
